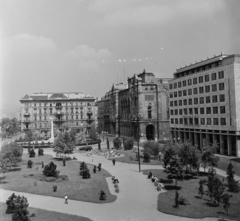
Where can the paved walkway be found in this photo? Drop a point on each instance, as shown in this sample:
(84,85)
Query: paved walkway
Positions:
(136,201)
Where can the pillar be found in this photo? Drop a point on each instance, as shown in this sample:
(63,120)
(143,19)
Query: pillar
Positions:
(191,137)
(175,136)
(237,146)
(201,139)
(221,144)
(181,136)
(185,136)
(229,142)
(207,138)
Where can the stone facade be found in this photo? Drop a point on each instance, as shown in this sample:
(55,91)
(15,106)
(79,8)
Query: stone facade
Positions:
(73,110)
(204,103)
(138,108)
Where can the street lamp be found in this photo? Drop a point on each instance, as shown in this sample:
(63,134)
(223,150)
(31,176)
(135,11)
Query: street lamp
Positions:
(138,139)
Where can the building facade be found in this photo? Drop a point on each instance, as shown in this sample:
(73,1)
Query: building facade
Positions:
(204,103)
(67,110)
(139,108)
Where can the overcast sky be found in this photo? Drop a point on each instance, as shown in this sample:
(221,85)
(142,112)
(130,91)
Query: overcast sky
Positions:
(87,45)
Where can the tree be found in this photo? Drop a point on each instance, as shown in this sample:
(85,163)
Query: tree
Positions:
(128,143)
(146,157)
(16,203)
(201,188)
(84,171)
(168,155)
(226,201)
(232,183)
(151,147)
(108,145)
(93,133)
(10,127)
(50,170)
(174,170)
(117,142)
(218,190)
(31,153)
(40,152)
(72,134)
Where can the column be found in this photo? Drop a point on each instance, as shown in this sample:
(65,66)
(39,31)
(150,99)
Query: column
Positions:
(185,136)
(207,138)
(181,136)
(221,144)
(175,136)
(229,142)
(191,137)
(238,146)
(195,138)
(201,139)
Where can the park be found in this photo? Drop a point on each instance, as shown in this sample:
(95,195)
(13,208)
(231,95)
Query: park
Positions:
(103,181)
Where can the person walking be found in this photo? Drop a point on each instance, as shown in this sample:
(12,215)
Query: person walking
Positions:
(66,199)
(114,161)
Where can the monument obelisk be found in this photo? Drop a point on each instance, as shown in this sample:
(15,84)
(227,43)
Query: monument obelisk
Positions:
(51,139)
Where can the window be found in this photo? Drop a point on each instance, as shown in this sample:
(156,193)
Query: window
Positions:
(185,102)
(175,103)
(196,121)
(202,121)
(171,112)
(195,110)
(200,79)
(180,111)
(81,116)
(171,95)
(201,90)
(180,102)
(185,121)
(176,121)
(195,91)
(215,121)
(220,75)
(213,76)
(209,121)
(76,123)
(175,85)
(50,111)
(221,86)
(35,118)
(180,121)
(176,112)
(149,112)
(170,86)
(190,120)
(194,80)
(189,91)
(189,82)
(215,110)
(202,110)
(184,92)
(189,101)
(207,88)
(208,100)
(185,111)
(222,97)
(214,98)
(76,116)
(222,110)
(196,100)
(171,103)
(208,110)
(179,93)
(223,121)
(172,121)
(179,84)
(184,83)
(206,78)
(190,111)
(214,87)
(201,100)
(175,94)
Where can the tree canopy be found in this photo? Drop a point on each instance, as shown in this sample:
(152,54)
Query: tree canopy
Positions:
(10,127)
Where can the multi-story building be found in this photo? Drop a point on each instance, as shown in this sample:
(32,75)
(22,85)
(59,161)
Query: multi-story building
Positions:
(138,108)
(204,103)
(73,110)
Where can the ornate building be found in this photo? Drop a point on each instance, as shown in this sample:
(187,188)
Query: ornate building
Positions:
(138,108)
(73,110)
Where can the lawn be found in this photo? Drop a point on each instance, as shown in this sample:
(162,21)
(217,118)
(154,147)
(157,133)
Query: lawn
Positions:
(41,215)
(196,207)
(130,153)
(27,180)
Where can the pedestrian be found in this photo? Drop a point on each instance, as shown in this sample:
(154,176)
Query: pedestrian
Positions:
(66,199)
(114,161)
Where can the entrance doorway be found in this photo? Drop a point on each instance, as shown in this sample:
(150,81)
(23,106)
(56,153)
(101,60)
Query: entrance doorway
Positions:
(150,132)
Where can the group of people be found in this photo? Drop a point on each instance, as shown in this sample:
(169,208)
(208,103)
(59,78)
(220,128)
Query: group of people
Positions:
(156,181)
(115,182)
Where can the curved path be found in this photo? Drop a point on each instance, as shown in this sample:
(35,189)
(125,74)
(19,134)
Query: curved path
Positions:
(136,201)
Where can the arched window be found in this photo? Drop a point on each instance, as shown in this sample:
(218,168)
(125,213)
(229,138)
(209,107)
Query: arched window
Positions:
(150,111)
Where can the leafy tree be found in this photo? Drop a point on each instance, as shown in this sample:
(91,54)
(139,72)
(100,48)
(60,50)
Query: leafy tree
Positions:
(99,130)
(28,136)
(151,147)
(201,188)
(29,164)
(84,171)
(102,195)
(93,133)
(40,152)
(226,201)
(72,134)
(32,153)
(50,170)
(174,169)
(10,127)
(210,182)
(15,203)
(218,190)
(232,183)
(117,142)
(128,143)
(168,155)
(146,157)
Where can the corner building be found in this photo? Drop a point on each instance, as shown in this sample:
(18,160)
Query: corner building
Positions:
(73,110)
(205,103)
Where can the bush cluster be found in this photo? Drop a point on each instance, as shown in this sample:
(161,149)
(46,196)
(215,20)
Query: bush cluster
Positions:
(128,143)
(84,171)
(117,142)
(50,170)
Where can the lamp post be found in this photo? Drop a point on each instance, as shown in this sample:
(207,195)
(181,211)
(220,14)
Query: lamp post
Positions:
(138,139)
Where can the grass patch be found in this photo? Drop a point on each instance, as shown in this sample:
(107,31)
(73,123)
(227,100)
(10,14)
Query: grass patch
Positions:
(129,153)
(41,215)
(32,181)
(196,207)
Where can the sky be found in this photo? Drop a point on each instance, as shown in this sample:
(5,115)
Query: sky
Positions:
(87,45)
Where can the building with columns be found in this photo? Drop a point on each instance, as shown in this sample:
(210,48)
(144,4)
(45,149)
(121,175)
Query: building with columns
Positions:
(73,110)
(204,103)
(139,108)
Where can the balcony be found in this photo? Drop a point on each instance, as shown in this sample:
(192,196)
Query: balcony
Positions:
(89,113)
(26,115)
(26,121)
(58,121)
(89,120)
(59,113)
(58,107)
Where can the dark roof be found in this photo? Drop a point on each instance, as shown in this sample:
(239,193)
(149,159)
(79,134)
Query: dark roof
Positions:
(40,97)
(26,97)
(54,96)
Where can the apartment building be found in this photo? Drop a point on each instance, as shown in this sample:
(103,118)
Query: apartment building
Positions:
(204,103)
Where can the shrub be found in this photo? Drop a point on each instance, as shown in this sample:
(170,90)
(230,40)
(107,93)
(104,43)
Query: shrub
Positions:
(146,157)
(117,142)
(128,143)
(182,200)
(50,170)
(86,148)
(233,186)
(54,188)
(29,164)
(84,171)
(21,214)
(32,153)
(151,147)
(40,152)
(102,195)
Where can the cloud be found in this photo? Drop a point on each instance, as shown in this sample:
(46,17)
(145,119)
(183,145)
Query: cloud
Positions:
(154,12)
(86,53)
